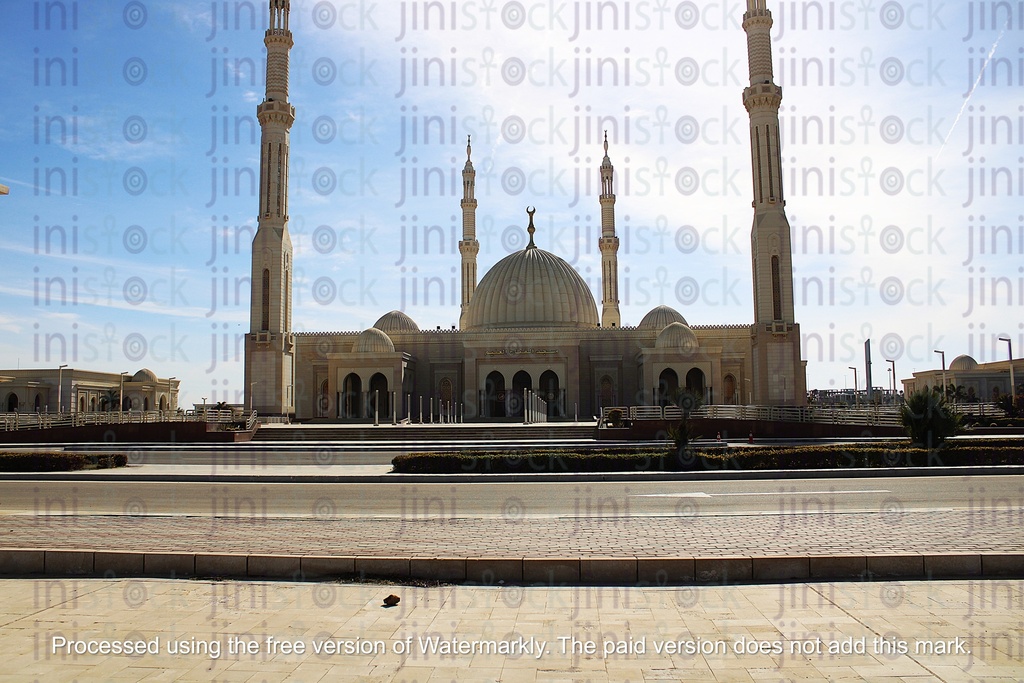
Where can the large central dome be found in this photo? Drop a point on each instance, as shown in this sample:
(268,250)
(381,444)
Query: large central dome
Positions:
(532,288)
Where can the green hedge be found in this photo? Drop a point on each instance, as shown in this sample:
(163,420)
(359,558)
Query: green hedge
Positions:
(896,454)
(59,461)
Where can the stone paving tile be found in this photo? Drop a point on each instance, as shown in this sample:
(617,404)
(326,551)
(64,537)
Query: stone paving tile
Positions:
(986,615)
(858,534)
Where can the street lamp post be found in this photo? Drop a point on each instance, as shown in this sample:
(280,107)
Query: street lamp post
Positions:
(1013,387)
(856,397)
(943,354)
(60,386)
(892,362)
(120,398)
(170,395)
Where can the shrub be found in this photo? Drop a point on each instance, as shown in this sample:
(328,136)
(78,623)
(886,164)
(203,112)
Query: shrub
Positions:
(625,459)
(59,461)
(928,419)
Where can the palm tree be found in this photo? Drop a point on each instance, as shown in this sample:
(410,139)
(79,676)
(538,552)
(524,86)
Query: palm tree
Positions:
(688,402)
(109,400)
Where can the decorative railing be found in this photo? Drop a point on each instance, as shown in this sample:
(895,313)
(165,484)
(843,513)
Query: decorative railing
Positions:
(868,415)
(15,421)
(980,409)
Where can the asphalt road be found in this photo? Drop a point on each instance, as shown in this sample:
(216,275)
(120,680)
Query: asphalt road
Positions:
(995,497)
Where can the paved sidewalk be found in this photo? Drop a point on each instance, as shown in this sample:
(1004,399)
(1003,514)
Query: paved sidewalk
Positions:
(929,631)
(555,550)
(888,532)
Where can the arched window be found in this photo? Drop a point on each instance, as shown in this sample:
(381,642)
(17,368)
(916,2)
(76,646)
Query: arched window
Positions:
(38,403)
(12,403)
(265,323)
(287,298)
(776,289)
(81,404)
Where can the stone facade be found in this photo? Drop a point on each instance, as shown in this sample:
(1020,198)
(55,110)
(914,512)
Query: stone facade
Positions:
(84,391)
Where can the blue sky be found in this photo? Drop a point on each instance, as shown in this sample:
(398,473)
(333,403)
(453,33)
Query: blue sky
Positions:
(130,145)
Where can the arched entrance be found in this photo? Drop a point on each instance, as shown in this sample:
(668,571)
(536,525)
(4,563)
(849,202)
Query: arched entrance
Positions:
(145,403)
(323,401)
(607,393)
(550,392)
(695,382)
(163,403)
(445,396)
(379,396)
(352,396)
(668,385)
(729,389)
(12,403)
(521,381)
(494,395)
(38,403)
(81,404)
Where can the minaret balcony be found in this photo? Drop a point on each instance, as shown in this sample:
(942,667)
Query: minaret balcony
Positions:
(276,107)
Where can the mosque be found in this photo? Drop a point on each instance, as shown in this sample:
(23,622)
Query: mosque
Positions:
(530,323)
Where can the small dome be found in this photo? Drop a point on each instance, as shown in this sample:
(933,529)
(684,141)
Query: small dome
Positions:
(144,375)
(532,288)
(963,363)
(396,321)
(677,336)
(660,316)
(373,341)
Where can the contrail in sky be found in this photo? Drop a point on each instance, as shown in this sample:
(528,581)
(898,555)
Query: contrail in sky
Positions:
(970,93)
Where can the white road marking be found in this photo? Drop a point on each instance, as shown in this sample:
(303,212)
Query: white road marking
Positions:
(701,494)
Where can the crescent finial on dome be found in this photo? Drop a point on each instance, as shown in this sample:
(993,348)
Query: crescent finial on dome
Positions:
(530,210)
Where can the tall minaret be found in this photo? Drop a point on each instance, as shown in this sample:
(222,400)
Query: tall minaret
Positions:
(468,246)
(769,238)
(270,343)
(609,245)
(777,370)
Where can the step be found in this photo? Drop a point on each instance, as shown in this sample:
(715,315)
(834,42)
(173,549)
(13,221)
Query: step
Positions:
(482,432)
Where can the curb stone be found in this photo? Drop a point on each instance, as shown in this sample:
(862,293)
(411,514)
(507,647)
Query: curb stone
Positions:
(624,571)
